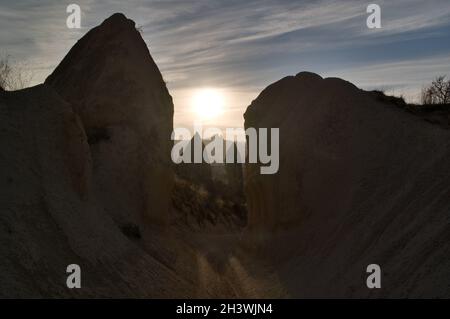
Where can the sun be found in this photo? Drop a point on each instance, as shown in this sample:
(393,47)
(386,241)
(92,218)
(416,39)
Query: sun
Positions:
(208,103)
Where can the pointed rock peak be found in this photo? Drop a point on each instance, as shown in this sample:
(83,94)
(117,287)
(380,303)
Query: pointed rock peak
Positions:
(196,137)
(109,70)
(112,83)
(118,18)
(114,44)
(118,22)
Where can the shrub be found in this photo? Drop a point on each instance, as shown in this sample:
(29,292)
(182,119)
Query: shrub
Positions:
(13,75)
(438,92)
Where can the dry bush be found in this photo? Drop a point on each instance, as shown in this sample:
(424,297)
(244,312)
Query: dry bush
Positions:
(14,75)
(438,92)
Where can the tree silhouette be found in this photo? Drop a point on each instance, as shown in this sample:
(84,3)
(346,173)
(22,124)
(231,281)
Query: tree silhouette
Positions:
(13,75)
(438,92)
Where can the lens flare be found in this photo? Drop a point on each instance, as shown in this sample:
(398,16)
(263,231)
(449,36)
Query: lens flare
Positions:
(208,103)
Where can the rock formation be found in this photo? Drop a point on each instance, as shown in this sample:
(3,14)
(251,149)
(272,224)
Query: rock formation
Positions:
(203,202)
(114,86)
(361,181)
(50,217)
(198,173)
(85,173)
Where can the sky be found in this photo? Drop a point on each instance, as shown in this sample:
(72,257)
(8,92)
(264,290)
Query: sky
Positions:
(237,47)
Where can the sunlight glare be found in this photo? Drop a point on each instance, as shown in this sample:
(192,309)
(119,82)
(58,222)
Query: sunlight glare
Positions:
(208,103)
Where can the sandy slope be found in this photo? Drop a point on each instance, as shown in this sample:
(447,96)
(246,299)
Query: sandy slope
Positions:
(48,220)
(361,181)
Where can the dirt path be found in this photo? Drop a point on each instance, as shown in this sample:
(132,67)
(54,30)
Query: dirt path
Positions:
(226,268)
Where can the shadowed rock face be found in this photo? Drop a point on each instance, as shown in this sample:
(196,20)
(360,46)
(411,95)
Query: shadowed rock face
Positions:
(112,83)
(360,181)
(50,218)
(85,165)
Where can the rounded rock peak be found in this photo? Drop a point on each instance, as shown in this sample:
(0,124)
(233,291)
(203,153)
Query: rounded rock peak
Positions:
(308,76)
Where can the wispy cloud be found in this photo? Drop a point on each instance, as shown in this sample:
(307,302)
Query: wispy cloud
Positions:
(399,78)
(243,46)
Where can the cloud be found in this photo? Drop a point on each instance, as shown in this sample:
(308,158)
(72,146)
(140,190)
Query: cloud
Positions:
(399,78)
(245,45)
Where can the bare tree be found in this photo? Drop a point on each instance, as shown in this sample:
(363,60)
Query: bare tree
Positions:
(5,72)
(13,75)
(438,92)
